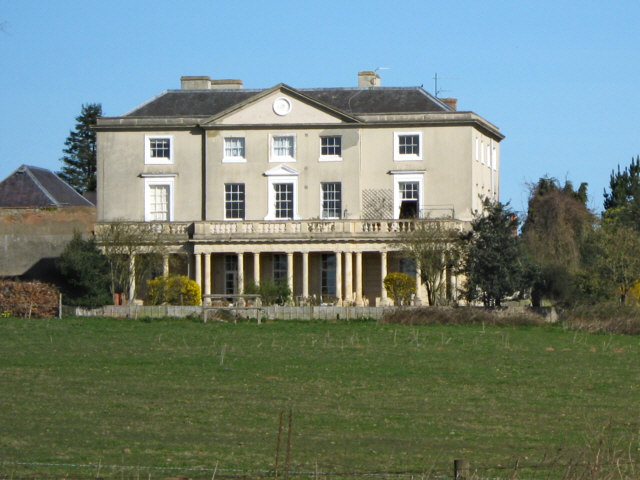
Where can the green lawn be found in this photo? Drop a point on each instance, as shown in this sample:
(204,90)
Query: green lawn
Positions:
(365,397)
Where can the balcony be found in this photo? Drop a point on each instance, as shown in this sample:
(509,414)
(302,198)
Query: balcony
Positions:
(260,230)
(318,230)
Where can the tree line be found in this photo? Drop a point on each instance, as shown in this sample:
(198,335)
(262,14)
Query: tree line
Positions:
(560,253)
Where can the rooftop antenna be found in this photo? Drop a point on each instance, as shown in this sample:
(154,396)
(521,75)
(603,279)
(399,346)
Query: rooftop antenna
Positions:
(381,68)
(436,91)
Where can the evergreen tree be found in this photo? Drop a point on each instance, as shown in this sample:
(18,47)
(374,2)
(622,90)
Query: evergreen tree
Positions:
(493,263)
(79,158)
(622,203)
(85,271)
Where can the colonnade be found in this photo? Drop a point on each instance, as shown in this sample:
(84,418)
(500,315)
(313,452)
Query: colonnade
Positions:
(349,272)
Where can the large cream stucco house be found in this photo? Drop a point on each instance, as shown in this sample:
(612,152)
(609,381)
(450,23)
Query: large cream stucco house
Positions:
(308,186)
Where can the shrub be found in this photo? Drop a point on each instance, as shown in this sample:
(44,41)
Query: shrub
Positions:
(604,317)
(461,316)
(271,293)
(400,287)
(173,290)
(85,272)
(28,299)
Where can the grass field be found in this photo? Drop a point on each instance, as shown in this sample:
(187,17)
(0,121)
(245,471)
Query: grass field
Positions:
(365,397)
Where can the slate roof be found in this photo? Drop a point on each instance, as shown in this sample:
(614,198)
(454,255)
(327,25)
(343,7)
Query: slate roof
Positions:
(354,101)
(30,186)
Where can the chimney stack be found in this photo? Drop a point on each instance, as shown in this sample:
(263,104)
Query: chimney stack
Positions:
(368,79)
(451,102)
(205,83)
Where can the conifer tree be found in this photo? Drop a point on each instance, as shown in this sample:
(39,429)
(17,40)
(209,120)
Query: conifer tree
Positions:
(79,158)
(493,264)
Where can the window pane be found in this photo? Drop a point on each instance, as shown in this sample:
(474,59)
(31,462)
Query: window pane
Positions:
(409,144)
(160,147)
(279,267)
(331,146)
(159,203)
(234,147)
(328,274)
(283,146)
(331,200)
(409,191)
(234,200)
(284,200)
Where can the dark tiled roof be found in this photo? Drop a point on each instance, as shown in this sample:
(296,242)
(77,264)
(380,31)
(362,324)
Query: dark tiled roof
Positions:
(37,187)
(355,101)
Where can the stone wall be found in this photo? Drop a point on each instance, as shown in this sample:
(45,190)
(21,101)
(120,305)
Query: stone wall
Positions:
(32,238)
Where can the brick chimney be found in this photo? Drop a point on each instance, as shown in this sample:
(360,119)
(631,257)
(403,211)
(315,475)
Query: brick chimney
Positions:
(451,102)
(368,79)
(205,83)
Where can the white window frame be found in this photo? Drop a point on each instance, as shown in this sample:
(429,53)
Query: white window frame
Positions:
(409,176)
(148,159)
(322,192)
(397,156)
(271,196)
(234,158)
(150,181)
(282,158)
(494,158)
(330,158)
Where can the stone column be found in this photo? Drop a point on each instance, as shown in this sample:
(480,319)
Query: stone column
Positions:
(418,281)
(290,272)
(256,268)
(241,273)
(305,274)
(197,269)
(348,277)
(383,274)
(359,278)
(131,294)
(339,276)
(165,265)
(206,281)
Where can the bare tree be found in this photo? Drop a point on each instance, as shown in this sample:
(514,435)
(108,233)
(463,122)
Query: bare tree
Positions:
(436,249)
(134,251)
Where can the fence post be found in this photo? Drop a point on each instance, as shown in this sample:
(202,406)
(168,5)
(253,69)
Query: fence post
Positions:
(461,470)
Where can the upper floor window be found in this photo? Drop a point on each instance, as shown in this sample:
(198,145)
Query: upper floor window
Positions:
(158,199)
(234,201)
(158,149)
(330,148)
(283,148)
(234,150)
(331,199)
(407,146)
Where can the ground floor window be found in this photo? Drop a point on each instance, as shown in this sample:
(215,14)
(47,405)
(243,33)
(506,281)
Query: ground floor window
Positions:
(230,274)
(279,268)
(328,281)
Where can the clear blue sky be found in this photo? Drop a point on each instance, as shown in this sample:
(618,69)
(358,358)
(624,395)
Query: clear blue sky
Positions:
(561,79)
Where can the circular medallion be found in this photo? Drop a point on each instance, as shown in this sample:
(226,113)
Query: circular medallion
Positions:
(281,106)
